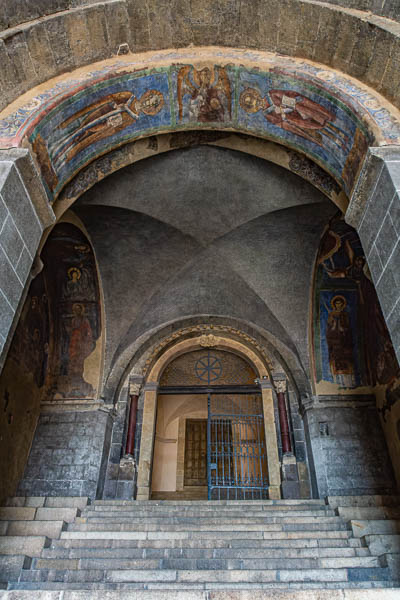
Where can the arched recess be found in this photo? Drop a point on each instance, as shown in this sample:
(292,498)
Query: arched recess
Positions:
(143,353)
(77,118)
(221,342)
(84,125)
(55,357)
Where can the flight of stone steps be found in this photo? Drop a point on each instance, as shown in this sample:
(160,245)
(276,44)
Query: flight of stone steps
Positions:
(200,548)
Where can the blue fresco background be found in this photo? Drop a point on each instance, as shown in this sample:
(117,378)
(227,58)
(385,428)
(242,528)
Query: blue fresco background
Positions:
(330,154)
(351,309)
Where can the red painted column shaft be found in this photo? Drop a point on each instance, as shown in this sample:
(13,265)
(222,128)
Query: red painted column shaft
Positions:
(283,421)
(130,439)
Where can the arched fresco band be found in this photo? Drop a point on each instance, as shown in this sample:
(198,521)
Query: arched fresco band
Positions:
(75,119)
(150,407)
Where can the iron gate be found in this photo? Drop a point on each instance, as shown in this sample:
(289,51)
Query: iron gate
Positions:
(236,450)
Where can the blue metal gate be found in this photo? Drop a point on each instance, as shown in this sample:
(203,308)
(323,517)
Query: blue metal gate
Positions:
(236,449)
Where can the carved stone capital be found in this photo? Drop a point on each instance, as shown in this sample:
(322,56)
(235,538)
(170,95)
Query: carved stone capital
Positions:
(280,386)
(134,389)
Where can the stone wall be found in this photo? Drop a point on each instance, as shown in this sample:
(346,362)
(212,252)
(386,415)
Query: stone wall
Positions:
(375,212)
(68,454)
(384,8)
(24,214)
(349,449)
(364,46)
(15,12)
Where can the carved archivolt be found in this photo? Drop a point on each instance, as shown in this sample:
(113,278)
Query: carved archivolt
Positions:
(207,340)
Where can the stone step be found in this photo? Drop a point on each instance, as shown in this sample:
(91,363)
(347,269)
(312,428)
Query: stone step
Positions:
(216,533)
(380,544)
(351,591)
(25,513)
(136,553)
(204,563)
(32,545)
(369,513)
(10,567)
(227,503)
(201,542)
(368,527)
(49,501)
(51,529)
(392,561)
(219,509)
(208,576)
(320,514)
(16,513)
(336,501)
(329,524)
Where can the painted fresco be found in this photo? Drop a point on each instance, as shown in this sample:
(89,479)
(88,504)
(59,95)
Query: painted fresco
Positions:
(309,109)
(94,121)
(351,341)
(30,345)
(73,287)
(204,95)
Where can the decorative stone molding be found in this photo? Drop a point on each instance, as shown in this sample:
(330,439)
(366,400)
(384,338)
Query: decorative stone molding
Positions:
(208,341)
(207,330)
(73,404)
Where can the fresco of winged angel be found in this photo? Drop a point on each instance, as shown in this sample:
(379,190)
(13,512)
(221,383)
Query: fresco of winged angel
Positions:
(209,91)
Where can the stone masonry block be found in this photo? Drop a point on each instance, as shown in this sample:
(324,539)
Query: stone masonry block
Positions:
(387,291)
(6,315)
(387,239)
(10,284)
(20,206)
(376,209)
(11,240)
(40,51)
(24,264)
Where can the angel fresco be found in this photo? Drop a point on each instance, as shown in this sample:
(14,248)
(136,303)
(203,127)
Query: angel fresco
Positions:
(209,91)
(100,120)
(295,113)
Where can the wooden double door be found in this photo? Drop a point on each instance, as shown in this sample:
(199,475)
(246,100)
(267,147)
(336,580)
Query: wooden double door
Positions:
(196,452)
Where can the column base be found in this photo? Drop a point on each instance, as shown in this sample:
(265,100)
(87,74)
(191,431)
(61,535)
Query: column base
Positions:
(143,493)
(274,492)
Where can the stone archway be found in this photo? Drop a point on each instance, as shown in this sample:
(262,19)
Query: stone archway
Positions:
(150,406)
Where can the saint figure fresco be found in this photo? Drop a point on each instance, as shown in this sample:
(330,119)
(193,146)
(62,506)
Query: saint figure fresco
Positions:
(100,120)
(340,342)
(296,114)
(72,281)
(355,313)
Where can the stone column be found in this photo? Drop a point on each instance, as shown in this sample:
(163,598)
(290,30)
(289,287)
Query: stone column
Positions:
(283,417)
(134,390)
(271,441)
(147,441)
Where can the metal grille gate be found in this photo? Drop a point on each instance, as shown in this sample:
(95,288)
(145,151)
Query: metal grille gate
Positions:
(236,449)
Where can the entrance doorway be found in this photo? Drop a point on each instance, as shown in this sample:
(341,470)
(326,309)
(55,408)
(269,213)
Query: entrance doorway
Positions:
(210,436)
(196,453)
